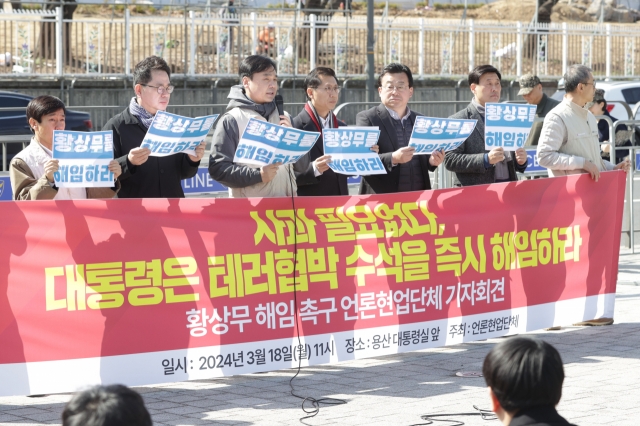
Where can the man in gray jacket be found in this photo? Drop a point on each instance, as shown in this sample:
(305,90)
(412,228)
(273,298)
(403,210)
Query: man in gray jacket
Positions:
(472,164)
(254,98)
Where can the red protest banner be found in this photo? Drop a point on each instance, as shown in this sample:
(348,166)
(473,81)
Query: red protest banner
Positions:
(148,291)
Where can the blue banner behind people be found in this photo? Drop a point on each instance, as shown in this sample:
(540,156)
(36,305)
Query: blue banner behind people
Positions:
(508,125)
(170,133)
(435,134)
(265,143)
(83,159)
(532,165)
(350,150)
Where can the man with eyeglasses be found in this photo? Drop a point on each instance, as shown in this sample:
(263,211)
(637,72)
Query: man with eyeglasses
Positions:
(569,145)
(322,90)
(569,138)
(405,171)
(471,162)
(144,176)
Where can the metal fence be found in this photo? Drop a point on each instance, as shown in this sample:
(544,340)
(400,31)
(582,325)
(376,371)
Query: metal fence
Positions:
(198,43)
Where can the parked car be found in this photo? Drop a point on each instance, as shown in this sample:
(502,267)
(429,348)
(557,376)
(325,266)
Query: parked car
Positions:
(625,91)
(15,122)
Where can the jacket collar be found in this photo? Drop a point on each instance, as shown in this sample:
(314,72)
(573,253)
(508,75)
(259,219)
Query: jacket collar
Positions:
(473,113)
(37,152)
(538,415)
(576,109)
(129,118)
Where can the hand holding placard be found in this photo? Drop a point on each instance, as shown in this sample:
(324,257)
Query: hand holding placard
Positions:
(496,155)
(322,163)
(403,155)
(115,168)
(199,152)
(436,158)
(50,167)
(269,171)
(138,156)
(521,155)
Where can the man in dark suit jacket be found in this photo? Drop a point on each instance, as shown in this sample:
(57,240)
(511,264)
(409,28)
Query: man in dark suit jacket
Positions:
(472,164)
(145,176)
(405,172)
(321,88)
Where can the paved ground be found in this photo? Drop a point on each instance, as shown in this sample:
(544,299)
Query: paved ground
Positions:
(602,365)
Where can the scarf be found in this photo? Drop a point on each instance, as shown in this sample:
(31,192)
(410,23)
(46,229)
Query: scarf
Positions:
(142,114)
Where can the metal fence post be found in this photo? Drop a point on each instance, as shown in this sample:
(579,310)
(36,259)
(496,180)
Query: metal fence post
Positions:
(312,45)
(608,66)
(127,42)
(519,49)
(565,48)
(59,41)
(421,49)
(254,31)
(192,44)
(472,43)
(632,173)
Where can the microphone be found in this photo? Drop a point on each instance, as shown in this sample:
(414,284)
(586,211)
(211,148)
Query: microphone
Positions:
(280,104)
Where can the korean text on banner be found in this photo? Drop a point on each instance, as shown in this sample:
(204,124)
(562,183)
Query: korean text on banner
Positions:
(435,134)
(140,291)
(265,143)
(83,159)
(350,150)
(507,125)
(171,134)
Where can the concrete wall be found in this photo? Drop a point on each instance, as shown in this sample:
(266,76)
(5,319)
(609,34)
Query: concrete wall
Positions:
(113,96)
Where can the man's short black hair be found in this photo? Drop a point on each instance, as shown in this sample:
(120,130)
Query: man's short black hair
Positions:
(480,70)
(395,68)
(43,105)
(524,372)
(312,81)
(114,405)
(142,71)
(254,64)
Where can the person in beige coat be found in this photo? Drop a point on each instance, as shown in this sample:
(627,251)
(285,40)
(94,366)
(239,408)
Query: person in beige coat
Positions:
(569,142)
(569,138)
(31,170)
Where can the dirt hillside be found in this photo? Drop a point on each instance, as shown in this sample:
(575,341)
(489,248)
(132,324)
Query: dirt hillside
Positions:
(501,10)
